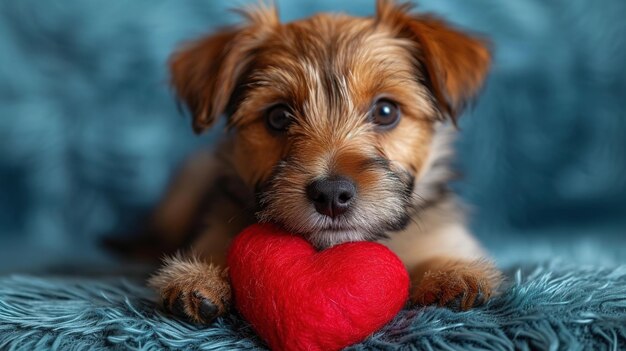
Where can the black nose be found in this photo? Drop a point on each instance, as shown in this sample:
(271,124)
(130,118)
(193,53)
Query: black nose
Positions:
(331,196)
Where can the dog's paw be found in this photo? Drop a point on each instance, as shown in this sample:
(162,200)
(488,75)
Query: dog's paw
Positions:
(199,304)
(194,290)
(458,286)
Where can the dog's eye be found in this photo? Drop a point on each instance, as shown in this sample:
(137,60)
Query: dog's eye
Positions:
(278,118)
(385,113)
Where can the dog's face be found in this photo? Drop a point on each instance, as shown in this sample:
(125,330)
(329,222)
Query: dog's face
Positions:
(333,118)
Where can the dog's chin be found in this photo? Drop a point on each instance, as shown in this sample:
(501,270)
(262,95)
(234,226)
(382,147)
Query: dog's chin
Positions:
(362,223)
(324,233)
(326,238)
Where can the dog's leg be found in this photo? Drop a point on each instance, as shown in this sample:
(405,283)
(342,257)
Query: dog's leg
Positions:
(446,264)
(196,286)
(459,284)
(174,217)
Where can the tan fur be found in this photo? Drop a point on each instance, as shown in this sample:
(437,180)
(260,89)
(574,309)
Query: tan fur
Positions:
(455,62)
(191,280)
(444,260)
(177,208)
(449,280)
(329,70)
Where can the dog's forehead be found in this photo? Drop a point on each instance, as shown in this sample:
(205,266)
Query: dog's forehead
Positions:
(329,69)
(334,60)
(342,45)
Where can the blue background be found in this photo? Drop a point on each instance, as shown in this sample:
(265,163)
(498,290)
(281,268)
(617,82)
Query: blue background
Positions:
(89,131)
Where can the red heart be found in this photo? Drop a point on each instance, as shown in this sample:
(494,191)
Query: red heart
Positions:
(297,298)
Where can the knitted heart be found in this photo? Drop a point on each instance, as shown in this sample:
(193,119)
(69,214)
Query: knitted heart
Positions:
(297,298)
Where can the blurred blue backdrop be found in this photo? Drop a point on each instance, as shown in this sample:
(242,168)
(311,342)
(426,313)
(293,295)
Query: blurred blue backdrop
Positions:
(89,131)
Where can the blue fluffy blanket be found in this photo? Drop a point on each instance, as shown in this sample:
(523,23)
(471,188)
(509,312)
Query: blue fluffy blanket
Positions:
(548,308)
(89,135)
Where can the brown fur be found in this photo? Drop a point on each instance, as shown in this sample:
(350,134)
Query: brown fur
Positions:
(329,69)
(455,62)
(445,281)
(184,284)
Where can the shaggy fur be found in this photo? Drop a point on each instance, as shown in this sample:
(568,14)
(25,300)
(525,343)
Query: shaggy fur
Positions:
(327,76)
(557,307)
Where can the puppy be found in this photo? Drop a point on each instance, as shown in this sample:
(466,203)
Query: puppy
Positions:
(337,128)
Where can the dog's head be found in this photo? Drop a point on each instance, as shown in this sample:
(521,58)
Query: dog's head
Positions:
(333,119)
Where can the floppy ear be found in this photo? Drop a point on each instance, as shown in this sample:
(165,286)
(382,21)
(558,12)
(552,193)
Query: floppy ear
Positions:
(205,72)
(455,63)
